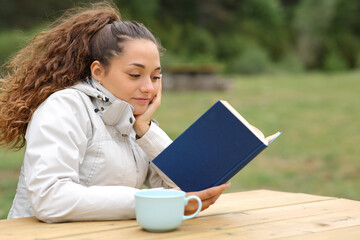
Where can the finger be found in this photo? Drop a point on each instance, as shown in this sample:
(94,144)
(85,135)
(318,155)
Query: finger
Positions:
(208,197)
(156,100)
(211,192)
(210,201)
(157,97)
(160,89)
(160,85)
(193,204)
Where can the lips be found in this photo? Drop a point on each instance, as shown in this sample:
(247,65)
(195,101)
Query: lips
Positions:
(142,100)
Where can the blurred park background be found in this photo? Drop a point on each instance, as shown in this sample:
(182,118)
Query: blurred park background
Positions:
(290,66)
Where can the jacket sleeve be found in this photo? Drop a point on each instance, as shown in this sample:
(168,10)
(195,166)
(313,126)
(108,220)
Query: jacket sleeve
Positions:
(57,139)
(153,143)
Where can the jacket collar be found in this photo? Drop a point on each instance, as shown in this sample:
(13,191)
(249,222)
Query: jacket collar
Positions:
(96,85)
(113,111)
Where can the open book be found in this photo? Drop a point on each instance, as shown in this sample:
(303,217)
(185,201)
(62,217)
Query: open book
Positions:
(213,149)
(257,132)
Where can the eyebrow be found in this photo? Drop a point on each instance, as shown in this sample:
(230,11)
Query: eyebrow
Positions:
(142,66)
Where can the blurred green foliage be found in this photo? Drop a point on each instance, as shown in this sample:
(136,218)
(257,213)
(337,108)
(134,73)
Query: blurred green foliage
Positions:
(318,152)
(248,36)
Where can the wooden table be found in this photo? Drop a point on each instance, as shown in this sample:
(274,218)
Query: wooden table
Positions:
(259,214)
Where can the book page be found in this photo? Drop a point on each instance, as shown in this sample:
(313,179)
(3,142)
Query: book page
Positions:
(255,131)
(271,138)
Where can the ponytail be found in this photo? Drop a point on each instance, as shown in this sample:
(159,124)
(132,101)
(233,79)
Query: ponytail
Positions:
(53,60)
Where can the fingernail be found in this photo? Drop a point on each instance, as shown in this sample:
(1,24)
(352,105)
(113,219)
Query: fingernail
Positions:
(228,184)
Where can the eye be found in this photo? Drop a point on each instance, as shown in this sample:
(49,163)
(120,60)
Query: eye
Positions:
(157,77)
(134,75)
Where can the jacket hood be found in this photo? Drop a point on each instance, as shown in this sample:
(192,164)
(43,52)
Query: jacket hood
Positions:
(113,111)
(93,88)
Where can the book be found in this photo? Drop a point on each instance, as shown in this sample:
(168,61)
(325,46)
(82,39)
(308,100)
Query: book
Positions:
(212,150)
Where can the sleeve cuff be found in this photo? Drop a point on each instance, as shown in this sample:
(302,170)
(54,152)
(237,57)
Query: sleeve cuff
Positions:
(154,141)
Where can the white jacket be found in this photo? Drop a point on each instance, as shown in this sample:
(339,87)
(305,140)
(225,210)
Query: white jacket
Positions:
(86,164)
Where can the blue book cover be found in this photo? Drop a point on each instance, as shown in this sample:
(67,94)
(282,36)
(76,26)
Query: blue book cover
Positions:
(212,150)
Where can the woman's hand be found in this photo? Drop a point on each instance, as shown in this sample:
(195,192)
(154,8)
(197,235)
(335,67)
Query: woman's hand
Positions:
(142,123)
(207,196)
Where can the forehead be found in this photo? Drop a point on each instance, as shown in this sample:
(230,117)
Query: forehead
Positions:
(140,51)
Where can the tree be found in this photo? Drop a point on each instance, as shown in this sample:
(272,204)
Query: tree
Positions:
(311,24)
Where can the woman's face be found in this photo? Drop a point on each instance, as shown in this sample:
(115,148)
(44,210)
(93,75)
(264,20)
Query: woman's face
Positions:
(134,76)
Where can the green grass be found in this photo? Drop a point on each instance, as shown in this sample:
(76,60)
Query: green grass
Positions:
(318,114)
(10,163)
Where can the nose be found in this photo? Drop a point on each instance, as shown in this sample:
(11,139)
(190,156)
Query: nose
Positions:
(147,85)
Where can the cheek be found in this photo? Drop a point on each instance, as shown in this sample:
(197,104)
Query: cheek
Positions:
(156,86)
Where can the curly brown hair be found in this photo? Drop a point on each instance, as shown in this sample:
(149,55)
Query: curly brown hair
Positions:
(53,60)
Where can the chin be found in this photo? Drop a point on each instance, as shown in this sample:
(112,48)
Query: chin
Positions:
(138,111)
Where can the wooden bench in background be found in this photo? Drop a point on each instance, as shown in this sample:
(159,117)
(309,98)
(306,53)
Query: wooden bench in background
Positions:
(202,77)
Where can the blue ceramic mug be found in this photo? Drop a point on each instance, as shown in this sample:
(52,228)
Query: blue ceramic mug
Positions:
(162,210)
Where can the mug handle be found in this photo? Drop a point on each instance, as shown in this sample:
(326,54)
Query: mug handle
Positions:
(186,217)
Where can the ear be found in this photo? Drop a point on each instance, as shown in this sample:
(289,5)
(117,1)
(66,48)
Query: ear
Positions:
(97,71)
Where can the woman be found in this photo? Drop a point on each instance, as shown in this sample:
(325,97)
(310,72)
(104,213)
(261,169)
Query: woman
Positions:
(81,96)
